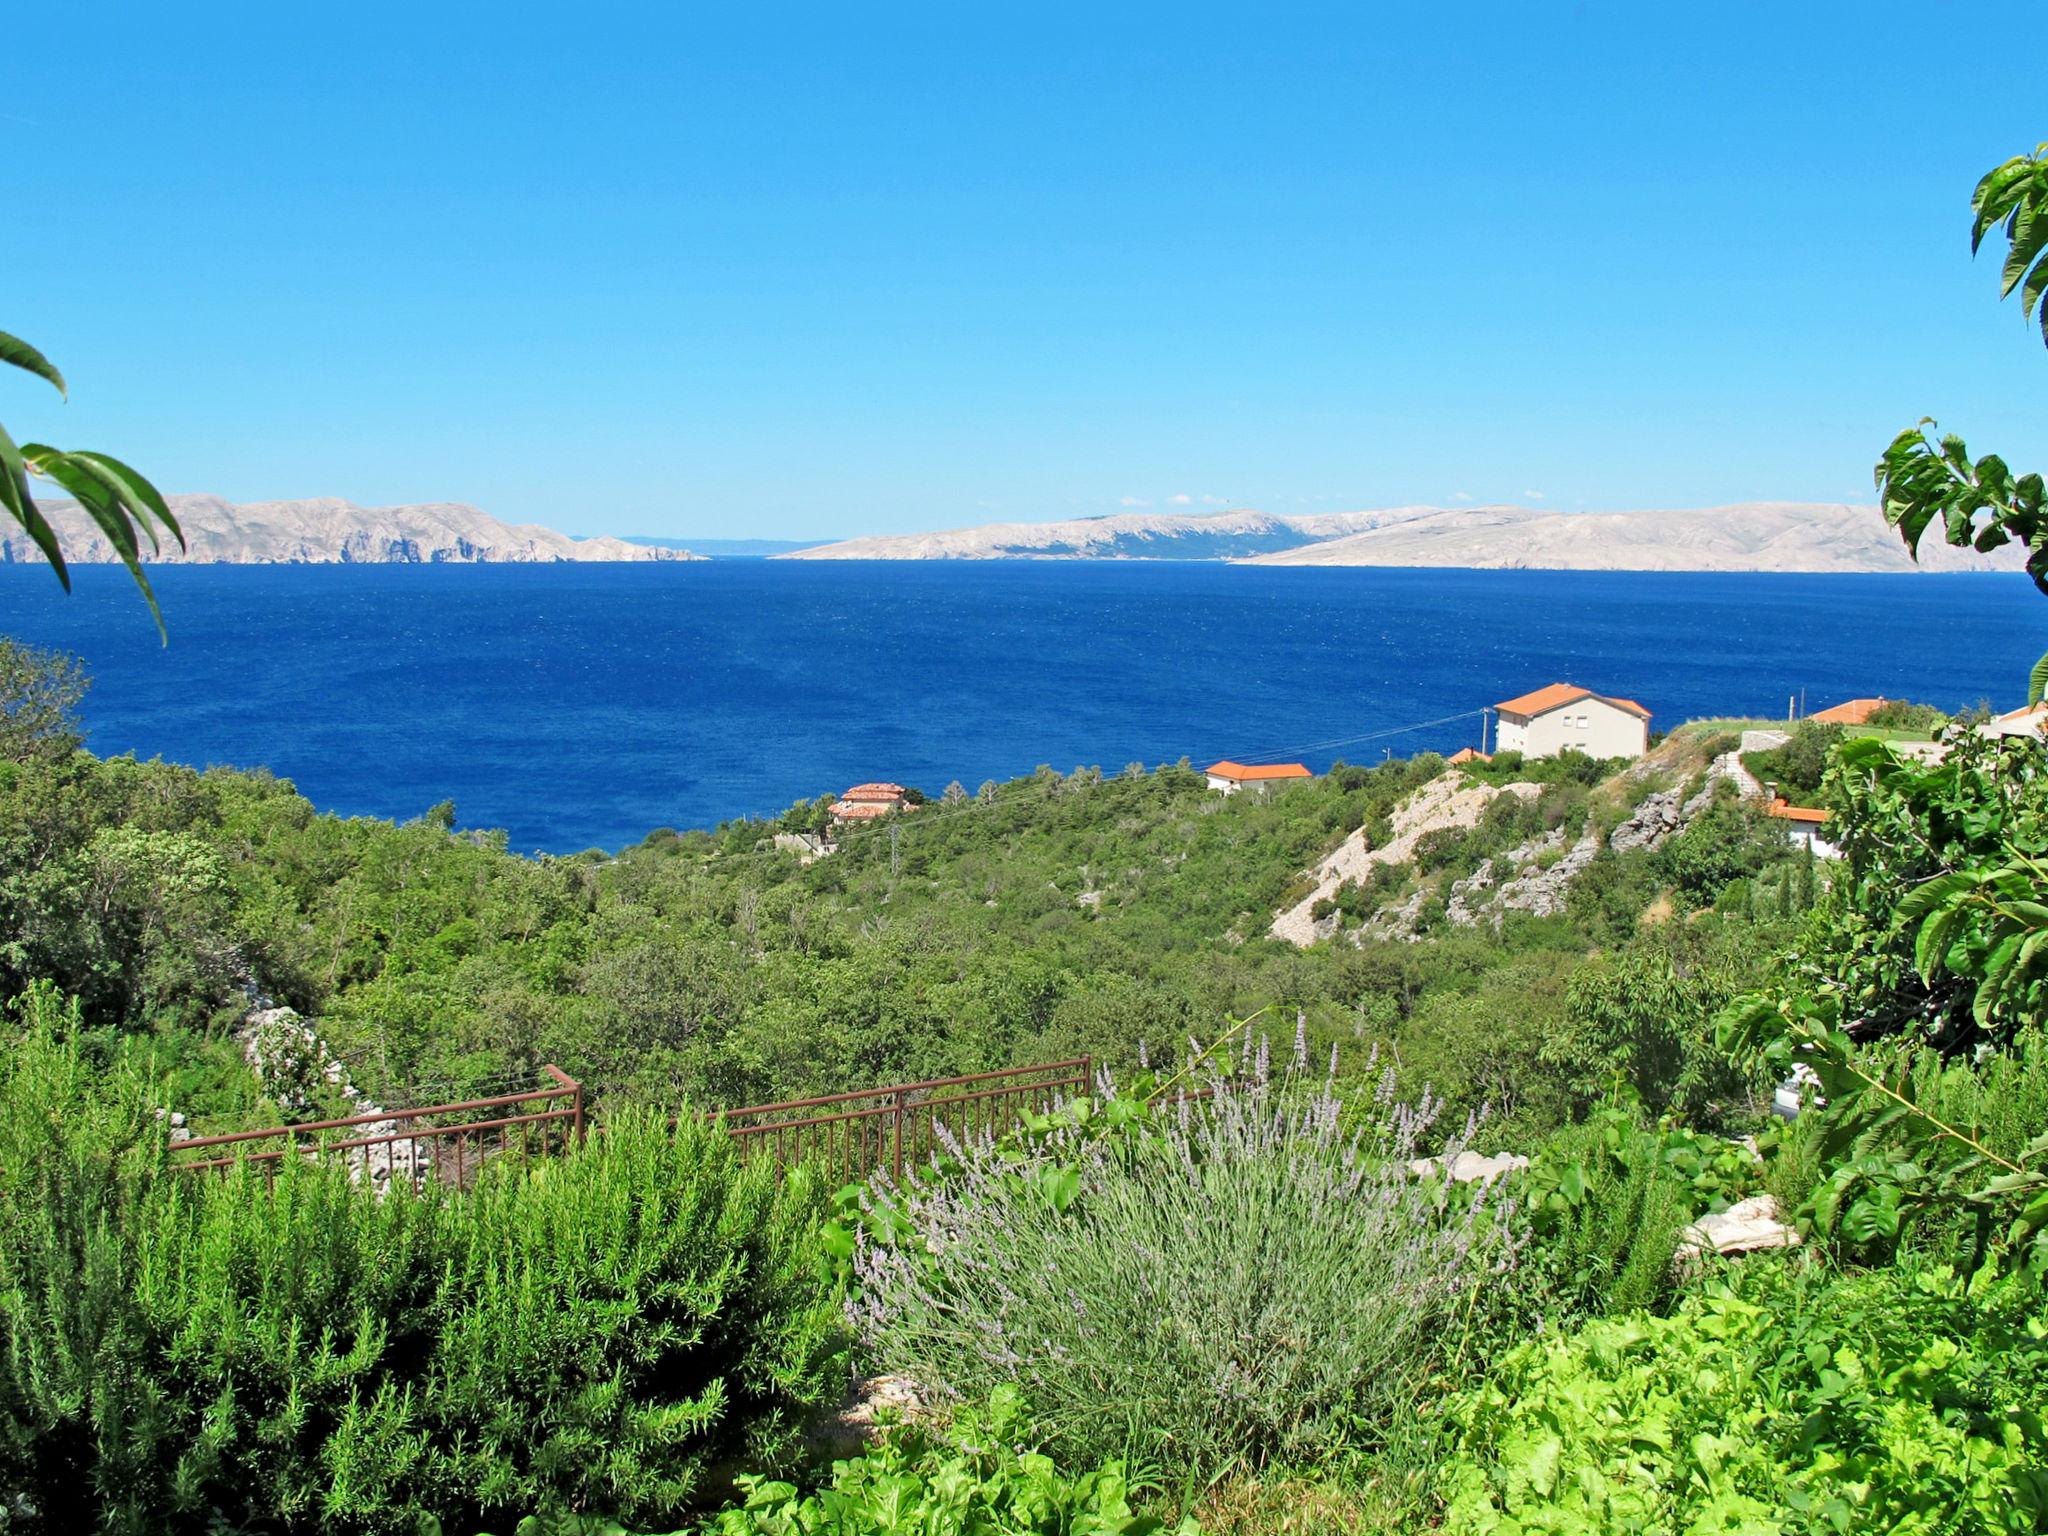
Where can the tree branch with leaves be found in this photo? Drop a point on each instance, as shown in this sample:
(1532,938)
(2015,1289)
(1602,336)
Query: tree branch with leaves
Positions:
(1981,504)
(124,505)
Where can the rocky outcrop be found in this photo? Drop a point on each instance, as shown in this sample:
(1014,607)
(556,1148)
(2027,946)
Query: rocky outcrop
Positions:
(328,531)
(1447,801)
(1651,824)
(292,1064)
(1541,891)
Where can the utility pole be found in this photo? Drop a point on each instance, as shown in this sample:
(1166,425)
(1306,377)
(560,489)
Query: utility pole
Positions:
(895,857)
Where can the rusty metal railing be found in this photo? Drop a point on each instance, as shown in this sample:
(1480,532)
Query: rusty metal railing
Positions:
(855,1133)
(861,1132)
(445,1143)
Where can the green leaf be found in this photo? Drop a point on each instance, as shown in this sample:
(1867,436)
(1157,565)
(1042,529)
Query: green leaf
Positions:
(18,352)
(138,487)
(2037,681)
(1928,895)
(19,504)
(1931,944)
(101,503)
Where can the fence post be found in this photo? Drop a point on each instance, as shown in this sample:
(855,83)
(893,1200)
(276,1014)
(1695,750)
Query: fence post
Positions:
(1087,1075)
(897,1163)
(564,1080)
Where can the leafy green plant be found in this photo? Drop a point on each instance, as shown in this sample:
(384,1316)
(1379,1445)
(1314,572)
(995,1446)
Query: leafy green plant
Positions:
(1930,925)
(1983,504)
(115,497)
(1605,1201)
(1883,1155)
(1792,1401)
(974,1478)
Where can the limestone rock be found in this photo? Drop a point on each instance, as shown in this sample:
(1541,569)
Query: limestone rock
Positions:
(1468,1167)
(1652,823)
(1749,1226)
(857,1423)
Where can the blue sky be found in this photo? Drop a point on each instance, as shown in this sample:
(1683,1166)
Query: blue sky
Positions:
(802,271)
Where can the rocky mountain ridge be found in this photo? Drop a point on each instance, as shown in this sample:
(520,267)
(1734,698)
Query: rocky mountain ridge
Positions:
(1776,536)
(326,530)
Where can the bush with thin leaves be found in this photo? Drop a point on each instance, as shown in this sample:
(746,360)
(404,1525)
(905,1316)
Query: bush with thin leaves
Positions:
(1234,1279)
(588,1332)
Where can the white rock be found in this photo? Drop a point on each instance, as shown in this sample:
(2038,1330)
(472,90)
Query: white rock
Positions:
(1748,1226)
(1468,1167)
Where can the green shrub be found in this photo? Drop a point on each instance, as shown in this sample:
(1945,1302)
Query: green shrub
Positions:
(1898,715)
(1643,1015)
(974,1479)
(1605,1202)
(1793,1402)
(588,1331)
(1797,767)
(1240,1282)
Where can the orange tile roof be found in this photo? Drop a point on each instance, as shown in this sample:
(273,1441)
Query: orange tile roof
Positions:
(1246,773)
(1469,755)
(874,792)
(1786,812)
(1852,712)
(859,810)
(1555,695)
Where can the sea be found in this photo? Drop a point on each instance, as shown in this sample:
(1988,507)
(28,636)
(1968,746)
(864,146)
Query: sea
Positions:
(582,706)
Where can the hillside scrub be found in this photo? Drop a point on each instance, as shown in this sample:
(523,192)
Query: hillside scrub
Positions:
(710,965)
(193,1353)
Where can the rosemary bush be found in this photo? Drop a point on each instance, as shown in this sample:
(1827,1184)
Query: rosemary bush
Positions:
(585,1332)
(1239,1278)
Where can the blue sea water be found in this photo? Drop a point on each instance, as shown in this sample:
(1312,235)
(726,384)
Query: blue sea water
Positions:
(584,705)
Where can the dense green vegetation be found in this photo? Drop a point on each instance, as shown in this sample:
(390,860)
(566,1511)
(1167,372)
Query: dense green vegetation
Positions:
(185,1354)
(1054,915)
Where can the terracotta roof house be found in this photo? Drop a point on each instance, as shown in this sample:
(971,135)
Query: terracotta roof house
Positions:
(1851,712)
(866,802)
(1563,717)
(1802,824)
(859,810)
(1468,755)
(1230,777)
(1784,810)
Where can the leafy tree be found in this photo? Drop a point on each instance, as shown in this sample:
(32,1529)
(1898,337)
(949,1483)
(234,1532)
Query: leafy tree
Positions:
(39,697)
(117,498)
(1983,505)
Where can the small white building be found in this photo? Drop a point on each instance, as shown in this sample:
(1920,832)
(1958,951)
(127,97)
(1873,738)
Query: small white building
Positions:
(1804,827)
(1564,717)
(2031,721)
(1230,777)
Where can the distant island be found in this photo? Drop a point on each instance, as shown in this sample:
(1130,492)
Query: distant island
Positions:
(1755,536)
(726,549)
(325,530)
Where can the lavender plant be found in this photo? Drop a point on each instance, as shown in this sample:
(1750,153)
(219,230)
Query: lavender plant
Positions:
(1242,1278)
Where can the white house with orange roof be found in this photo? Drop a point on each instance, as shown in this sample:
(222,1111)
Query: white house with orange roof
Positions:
(1564,717)
(1230,777)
